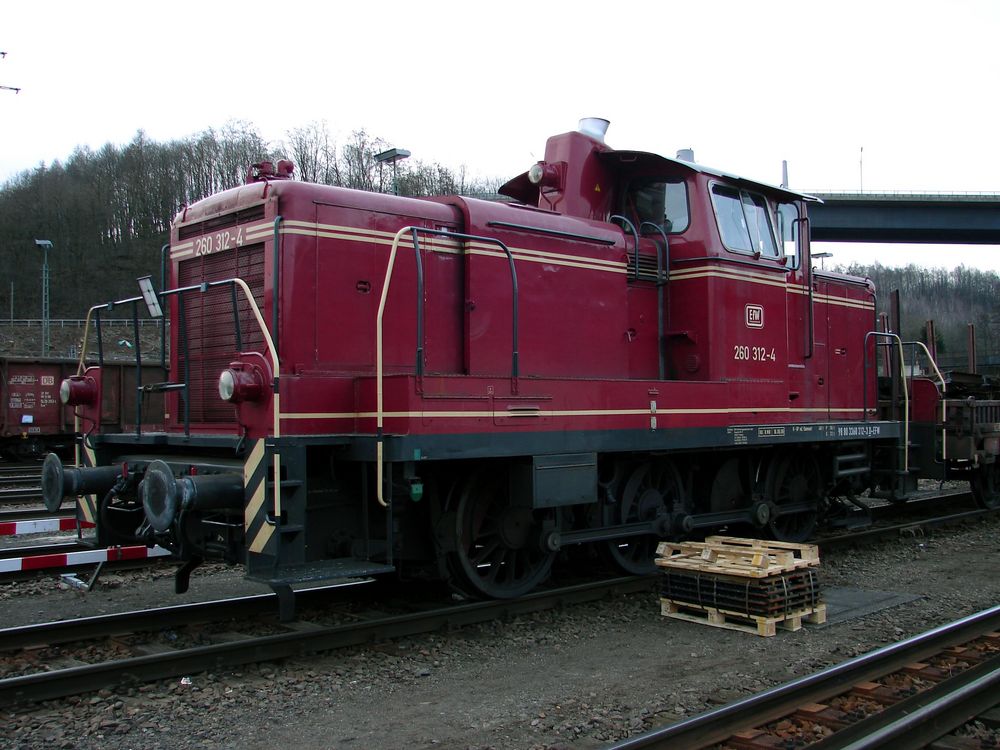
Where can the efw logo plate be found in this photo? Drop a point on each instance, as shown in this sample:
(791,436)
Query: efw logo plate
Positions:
(257,531)
(754,316)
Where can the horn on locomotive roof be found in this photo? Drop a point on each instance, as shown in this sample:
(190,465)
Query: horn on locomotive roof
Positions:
(595,127)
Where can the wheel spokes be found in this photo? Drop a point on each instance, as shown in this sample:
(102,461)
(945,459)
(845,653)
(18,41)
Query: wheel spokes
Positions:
(494,553)
(652,490)
(794,487)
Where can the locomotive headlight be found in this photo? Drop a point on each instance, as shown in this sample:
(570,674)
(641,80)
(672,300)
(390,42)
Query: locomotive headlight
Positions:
(227,385)
(240,383)
(78,390)
(547,175)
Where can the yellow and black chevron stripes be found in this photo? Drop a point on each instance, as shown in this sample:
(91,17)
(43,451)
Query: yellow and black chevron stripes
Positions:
(258,532)
(86,505)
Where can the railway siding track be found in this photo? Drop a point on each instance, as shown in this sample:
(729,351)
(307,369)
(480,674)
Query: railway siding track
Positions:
(235,647)
(906,695)
(12,495)
(35,514)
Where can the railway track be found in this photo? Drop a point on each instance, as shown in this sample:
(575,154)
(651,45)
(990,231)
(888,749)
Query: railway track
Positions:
(12,495)
(48,661)
(907,695)
(34,514)
(913,527)
(917,522)
(9,470)
(237,647)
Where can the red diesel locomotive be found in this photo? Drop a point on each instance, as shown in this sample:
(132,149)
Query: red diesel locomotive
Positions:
(632,348)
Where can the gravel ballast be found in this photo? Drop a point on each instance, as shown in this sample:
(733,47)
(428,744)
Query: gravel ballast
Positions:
(579,677)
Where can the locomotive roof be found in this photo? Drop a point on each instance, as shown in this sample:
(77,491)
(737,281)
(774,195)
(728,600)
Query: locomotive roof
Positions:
(520,187)
(646,159)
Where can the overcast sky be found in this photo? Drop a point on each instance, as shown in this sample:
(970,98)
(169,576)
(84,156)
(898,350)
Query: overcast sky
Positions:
(745,84)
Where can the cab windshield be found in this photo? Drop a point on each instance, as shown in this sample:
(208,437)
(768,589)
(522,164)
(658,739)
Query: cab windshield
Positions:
(663,202)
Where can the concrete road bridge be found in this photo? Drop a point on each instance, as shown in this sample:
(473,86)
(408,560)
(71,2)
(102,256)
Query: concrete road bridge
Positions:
(956,218)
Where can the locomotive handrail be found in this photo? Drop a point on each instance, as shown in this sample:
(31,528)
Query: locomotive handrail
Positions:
(930,359)
(635,235)
(806,248)
(272,351)
(95,312)
(96,309)
(662,264)
(944,387)
(414,231)
(906,394)
(164,252)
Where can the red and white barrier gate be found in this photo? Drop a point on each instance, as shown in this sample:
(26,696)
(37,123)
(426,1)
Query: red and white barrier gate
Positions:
(13,528)
(86,557)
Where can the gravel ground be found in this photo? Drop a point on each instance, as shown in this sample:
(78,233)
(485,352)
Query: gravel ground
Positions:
(576,678)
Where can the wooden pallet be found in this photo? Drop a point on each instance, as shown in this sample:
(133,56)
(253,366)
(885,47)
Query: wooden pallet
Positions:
(734,556)
(720,618)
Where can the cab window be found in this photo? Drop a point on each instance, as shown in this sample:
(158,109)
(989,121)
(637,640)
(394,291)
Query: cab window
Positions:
(744,221)
(659,201)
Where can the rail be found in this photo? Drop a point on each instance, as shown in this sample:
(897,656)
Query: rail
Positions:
(284,643)
(716,726)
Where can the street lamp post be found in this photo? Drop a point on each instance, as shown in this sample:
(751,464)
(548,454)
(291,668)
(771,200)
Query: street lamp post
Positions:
(392,156)
(822,258)
(45,245)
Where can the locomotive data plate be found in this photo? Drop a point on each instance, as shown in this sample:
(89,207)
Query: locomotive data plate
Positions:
(764,434)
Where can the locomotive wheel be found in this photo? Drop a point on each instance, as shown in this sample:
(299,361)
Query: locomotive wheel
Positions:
(498,551)
(653,489)
(985,485)
(794,487)
(728,491)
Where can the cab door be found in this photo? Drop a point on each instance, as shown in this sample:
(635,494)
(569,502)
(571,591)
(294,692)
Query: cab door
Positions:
(808,363)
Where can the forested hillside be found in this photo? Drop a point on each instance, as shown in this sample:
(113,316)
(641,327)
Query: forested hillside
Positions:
(951,298)
(108,212)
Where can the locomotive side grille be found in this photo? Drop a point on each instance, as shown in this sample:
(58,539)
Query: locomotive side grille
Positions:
(647,268)
(211,328)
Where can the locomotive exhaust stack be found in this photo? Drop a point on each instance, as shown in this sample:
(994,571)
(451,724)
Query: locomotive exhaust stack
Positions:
(595,127)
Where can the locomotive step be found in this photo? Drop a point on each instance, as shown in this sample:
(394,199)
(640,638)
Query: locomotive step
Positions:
(720,618)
